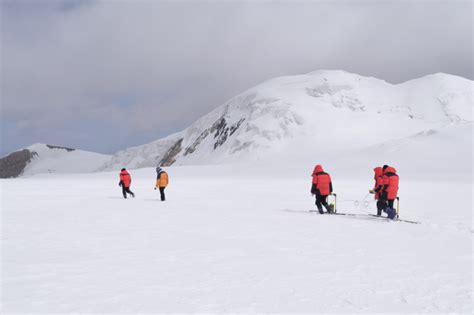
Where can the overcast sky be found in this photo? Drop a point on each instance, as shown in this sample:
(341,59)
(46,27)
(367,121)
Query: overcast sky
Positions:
(106,75)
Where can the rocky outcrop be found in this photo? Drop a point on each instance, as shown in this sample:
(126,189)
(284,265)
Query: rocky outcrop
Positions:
(170,157)
(197,142)
(223,131)
(58,147)
(15,163)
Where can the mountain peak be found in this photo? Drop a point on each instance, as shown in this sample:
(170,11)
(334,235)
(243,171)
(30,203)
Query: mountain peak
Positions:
(323,111)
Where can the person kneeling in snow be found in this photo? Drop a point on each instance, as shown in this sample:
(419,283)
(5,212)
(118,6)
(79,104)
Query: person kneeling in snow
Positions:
(321,187)
(161,181)
(125,181)
(390,190)
(378,190)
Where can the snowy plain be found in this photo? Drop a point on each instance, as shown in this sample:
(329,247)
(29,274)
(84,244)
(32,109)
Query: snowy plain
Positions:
(232,238)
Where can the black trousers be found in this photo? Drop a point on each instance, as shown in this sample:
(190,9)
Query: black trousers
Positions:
(390,202)
(381,205)
(126,190)
(322,201)
(162,193)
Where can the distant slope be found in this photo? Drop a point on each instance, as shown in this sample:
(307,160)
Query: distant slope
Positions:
(444,154)
(43,158)
(296,118)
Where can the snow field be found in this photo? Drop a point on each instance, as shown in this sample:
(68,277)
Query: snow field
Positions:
(230,239)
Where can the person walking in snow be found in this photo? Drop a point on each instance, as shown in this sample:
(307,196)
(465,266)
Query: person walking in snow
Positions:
(390,190)
(125,181)
(161,181)
(378,190)
(322,188)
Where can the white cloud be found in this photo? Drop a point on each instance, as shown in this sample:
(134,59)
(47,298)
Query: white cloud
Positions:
(143,69)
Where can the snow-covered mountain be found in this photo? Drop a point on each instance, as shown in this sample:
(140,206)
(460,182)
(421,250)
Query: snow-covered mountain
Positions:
(44,158)
(332,117)
(320,114)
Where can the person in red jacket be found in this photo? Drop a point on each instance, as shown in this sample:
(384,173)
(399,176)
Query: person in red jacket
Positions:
(321,187)
(378,190)
(390,189)
(125,181)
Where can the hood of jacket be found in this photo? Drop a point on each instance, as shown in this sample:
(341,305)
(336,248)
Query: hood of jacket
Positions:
(318,169)
(378,172)
(390,170)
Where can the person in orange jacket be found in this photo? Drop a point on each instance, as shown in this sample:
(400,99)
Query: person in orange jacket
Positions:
(161,181)
(378,190)
(321,187)
(125,182)
(390,189)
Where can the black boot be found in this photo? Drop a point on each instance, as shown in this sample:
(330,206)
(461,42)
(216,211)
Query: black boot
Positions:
(330,209)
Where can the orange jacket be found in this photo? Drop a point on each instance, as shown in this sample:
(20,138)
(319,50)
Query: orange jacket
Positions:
(321,181)
(378,177)
(162,179)
(391,181)
(125,178)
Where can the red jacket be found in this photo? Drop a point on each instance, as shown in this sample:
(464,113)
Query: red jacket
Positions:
(125,178)
(321,182)
(390,181)
(378,177)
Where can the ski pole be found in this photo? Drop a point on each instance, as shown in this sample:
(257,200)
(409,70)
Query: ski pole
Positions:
(335,203)
(398,207)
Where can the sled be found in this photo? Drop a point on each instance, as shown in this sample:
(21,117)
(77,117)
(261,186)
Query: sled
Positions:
(378,217)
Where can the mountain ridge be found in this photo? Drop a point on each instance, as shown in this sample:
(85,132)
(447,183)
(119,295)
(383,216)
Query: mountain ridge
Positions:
(275,110)
(301,116)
